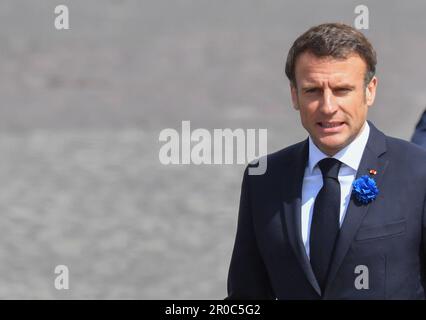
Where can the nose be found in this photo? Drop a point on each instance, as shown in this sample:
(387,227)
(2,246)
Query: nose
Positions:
(328,104)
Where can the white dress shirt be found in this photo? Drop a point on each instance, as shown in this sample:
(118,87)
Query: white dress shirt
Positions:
(350,157)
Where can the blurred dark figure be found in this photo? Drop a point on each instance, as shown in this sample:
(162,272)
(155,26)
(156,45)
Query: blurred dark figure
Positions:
(419,136)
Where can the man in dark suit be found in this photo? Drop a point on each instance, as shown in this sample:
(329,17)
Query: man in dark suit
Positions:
(341,215)
(419,136)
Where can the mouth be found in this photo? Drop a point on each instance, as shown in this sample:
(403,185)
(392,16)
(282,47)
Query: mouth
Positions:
(330,126)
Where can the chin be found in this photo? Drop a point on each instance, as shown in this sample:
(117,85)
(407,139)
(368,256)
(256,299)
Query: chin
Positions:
(332,145)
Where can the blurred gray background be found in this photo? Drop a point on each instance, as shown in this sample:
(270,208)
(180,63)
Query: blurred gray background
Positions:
(81,111)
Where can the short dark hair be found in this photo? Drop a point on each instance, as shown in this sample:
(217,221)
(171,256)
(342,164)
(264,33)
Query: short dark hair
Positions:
(336,40)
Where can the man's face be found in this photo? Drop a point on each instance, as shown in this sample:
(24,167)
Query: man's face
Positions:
(332,99)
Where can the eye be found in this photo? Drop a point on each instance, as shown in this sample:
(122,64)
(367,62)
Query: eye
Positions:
(343,90)
(311,90)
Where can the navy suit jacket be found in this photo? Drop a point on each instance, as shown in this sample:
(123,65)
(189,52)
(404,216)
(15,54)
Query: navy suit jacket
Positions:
(419,136)
(387,235)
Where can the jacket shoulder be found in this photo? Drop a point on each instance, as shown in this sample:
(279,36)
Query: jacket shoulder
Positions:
(408,156)
(286,154)
(278,160)
(405,150)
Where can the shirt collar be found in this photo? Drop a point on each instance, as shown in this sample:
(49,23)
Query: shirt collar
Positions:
(350,155)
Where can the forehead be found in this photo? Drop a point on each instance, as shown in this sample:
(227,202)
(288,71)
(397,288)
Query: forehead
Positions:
(310,68)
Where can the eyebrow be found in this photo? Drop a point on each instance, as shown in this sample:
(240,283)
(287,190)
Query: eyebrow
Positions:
(344,85)
(340,85)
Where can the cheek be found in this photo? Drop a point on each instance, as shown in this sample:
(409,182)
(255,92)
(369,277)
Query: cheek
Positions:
(349,101)
(361,111)
(354,108)
(307,118)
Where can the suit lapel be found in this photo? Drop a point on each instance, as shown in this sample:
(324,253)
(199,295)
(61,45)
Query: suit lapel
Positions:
(292,195)
(356,212)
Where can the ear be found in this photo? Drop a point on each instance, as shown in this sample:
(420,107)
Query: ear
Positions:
(294,98)
(370,91)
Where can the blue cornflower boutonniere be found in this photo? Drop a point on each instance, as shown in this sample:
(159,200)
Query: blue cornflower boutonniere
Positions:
(365,189)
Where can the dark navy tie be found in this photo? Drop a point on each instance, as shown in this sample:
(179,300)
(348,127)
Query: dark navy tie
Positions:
(325,220)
